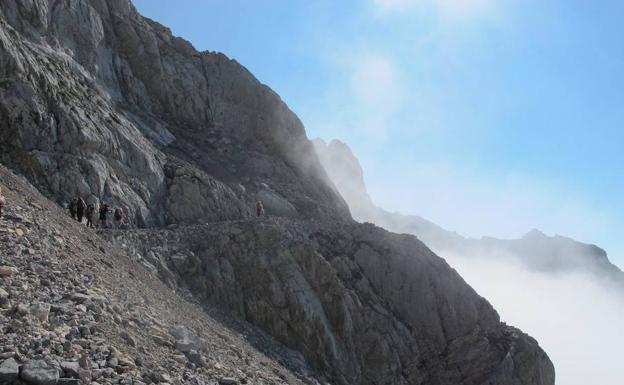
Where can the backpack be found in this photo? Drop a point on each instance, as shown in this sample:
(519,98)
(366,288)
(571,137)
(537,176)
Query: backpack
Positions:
(118,214)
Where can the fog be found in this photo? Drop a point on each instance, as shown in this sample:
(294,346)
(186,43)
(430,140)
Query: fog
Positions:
(574,309)
(576,319)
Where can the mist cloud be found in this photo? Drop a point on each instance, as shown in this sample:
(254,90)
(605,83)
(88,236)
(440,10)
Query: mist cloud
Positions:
(572,308)
(576,319)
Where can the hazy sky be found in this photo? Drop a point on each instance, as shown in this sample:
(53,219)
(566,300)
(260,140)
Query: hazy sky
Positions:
(487,117)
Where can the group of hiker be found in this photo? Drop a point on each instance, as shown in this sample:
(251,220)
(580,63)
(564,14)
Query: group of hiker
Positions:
(80,210)
(98,217)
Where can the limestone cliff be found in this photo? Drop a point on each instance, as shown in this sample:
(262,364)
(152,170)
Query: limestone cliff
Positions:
(97,101)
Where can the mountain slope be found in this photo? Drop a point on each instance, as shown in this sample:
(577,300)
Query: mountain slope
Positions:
(72,293)
(97,101)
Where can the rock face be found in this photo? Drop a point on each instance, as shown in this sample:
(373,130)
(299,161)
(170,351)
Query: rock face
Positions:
(535,250)
(97,101)
(120,106)
(352,298)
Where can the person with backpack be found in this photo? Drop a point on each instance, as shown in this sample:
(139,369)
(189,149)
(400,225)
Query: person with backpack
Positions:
(104,210)
(81,206)
(2,202)
(259,208)
(119,217)
(90,215)
(73,205)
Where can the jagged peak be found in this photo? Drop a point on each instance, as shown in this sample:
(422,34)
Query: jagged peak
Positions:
(535,234)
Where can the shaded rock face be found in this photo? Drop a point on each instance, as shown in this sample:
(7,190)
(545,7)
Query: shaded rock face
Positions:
(535,250)
(363,305)
(97,101)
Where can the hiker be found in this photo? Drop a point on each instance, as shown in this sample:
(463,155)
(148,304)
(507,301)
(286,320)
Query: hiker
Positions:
(119,216)
(73,205)
(81,206)
(104,210)
(90,215)
(2,202)
(259,208)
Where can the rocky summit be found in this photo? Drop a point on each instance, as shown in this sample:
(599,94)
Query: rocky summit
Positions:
(99,102)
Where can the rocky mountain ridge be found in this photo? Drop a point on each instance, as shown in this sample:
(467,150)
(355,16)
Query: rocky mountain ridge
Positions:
(97,101)
(535,250)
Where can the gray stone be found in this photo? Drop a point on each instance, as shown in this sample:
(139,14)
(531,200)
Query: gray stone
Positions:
(113,362)
(9,371)
(161,341)
(128,338)
(185,339)
(7,271)
(196,358)
(40,311)
(39,372)
(70,368)
(69,381)
(85,331)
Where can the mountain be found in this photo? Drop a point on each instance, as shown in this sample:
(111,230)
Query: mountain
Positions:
(535,250)
(99,102)
(75,307)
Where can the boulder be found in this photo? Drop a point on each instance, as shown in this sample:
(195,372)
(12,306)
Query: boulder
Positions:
(70,368)
(9,371)
(39,372)
(185,339)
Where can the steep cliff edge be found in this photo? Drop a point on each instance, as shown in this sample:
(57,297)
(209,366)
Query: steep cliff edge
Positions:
(99,102)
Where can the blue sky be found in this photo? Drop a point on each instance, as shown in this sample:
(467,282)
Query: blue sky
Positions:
(488,117)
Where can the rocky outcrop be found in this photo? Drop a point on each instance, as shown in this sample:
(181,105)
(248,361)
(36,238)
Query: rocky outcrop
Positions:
(363,305)
(97,101)
(535,250)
